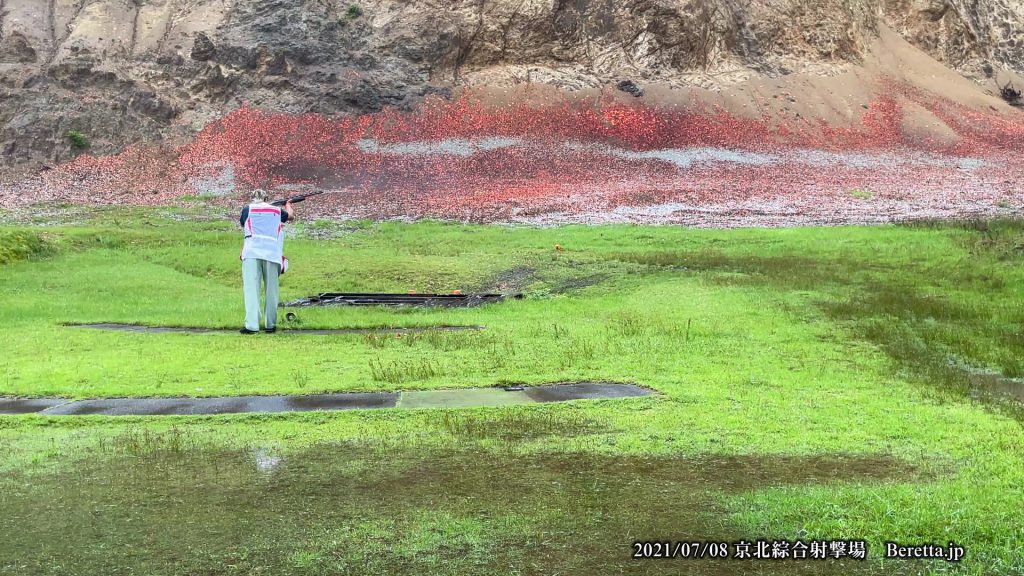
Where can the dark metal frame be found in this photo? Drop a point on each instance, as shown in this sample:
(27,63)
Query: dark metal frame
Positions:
(384,299)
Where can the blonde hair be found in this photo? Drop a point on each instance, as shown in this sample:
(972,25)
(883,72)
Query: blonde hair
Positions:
(258,195)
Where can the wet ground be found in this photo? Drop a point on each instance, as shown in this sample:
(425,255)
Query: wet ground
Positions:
(159,505)
(28,405)
(984,384)
(457,398)
(454,300)
(312,332)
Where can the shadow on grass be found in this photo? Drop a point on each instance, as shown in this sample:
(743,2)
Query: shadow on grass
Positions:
(158,504)
(521,425)
(935,317)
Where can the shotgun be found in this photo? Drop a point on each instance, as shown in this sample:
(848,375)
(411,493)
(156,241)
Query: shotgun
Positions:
(295,199)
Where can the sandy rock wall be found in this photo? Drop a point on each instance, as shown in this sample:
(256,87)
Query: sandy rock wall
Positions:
(125,71)
(977,37)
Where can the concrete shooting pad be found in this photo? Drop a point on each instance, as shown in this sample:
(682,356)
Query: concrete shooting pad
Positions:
(28,405)
(114,327)
(583,391)
(464,398)
(225,405)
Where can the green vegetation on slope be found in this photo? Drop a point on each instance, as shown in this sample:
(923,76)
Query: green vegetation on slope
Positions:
(21,245)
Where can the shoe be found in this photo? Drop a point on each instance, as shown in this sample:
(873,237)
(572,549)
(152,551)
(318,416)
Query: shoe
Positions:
(270,330)
(247,331)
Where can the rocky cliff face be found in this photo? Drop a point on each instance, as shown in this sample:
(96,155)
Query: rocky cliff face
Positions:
(979,38)
(126,71)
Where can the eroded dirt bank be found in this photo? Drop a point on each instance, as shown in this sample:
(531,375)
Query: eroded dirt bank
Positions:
(523,116)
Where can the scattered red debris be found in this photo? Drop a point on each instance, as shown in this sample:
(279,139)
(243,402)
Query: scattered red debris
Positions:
(604,162)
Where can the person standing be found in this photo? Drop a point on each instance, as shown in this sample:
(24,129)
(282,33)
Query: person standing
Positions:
(262,258)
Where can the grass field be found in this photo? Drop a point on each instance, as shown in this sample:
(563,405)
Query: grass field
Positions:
(820,384)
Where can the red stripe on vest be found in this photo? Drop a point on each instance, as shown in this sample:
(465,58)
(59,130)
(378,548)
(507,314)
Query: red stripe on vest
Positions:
(271,210)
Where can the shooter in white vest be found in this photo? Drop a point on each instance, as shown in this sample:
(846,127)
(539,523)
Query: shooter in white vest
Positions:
(262,259)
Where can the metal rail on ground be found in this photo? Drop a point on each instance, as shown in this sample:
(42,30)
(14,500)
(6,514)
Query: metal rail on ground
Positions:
(391,299)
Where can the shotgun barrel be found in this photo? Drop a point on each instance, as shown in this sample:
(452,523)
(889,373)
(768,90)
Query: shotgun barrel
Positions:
(295,199)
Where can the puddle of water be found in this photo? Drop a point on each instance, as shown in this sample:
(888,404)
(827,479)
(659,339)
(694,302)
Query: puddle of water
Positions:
(462,398)
(458,398)
(400,511)
(344,401)
(584,391)
(991,384)
(167,406)
(224,405)
(27,405)
(265,461)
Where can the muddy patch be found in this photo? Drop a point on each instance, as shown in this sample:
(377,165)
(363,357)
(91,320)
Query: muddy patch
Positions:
(454,300)
(222,405)
(583,391)
(524,279)
(516,279)
(462,398)
(579,283)
(115,327)
(348,401)
(456,398)
(409,510)
(28,405)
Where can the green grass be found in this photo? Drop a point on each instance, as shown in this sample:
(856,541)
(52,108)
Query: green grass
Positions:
(774,351)
(18,245)
(77,139)
(197,198)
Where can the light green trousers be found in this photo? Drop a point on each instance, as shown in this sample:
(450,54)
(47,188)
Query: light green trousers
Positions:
(254,273)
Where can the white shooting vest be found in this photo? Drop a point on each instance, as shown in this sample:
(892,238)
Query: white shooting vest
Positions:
(264,233)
